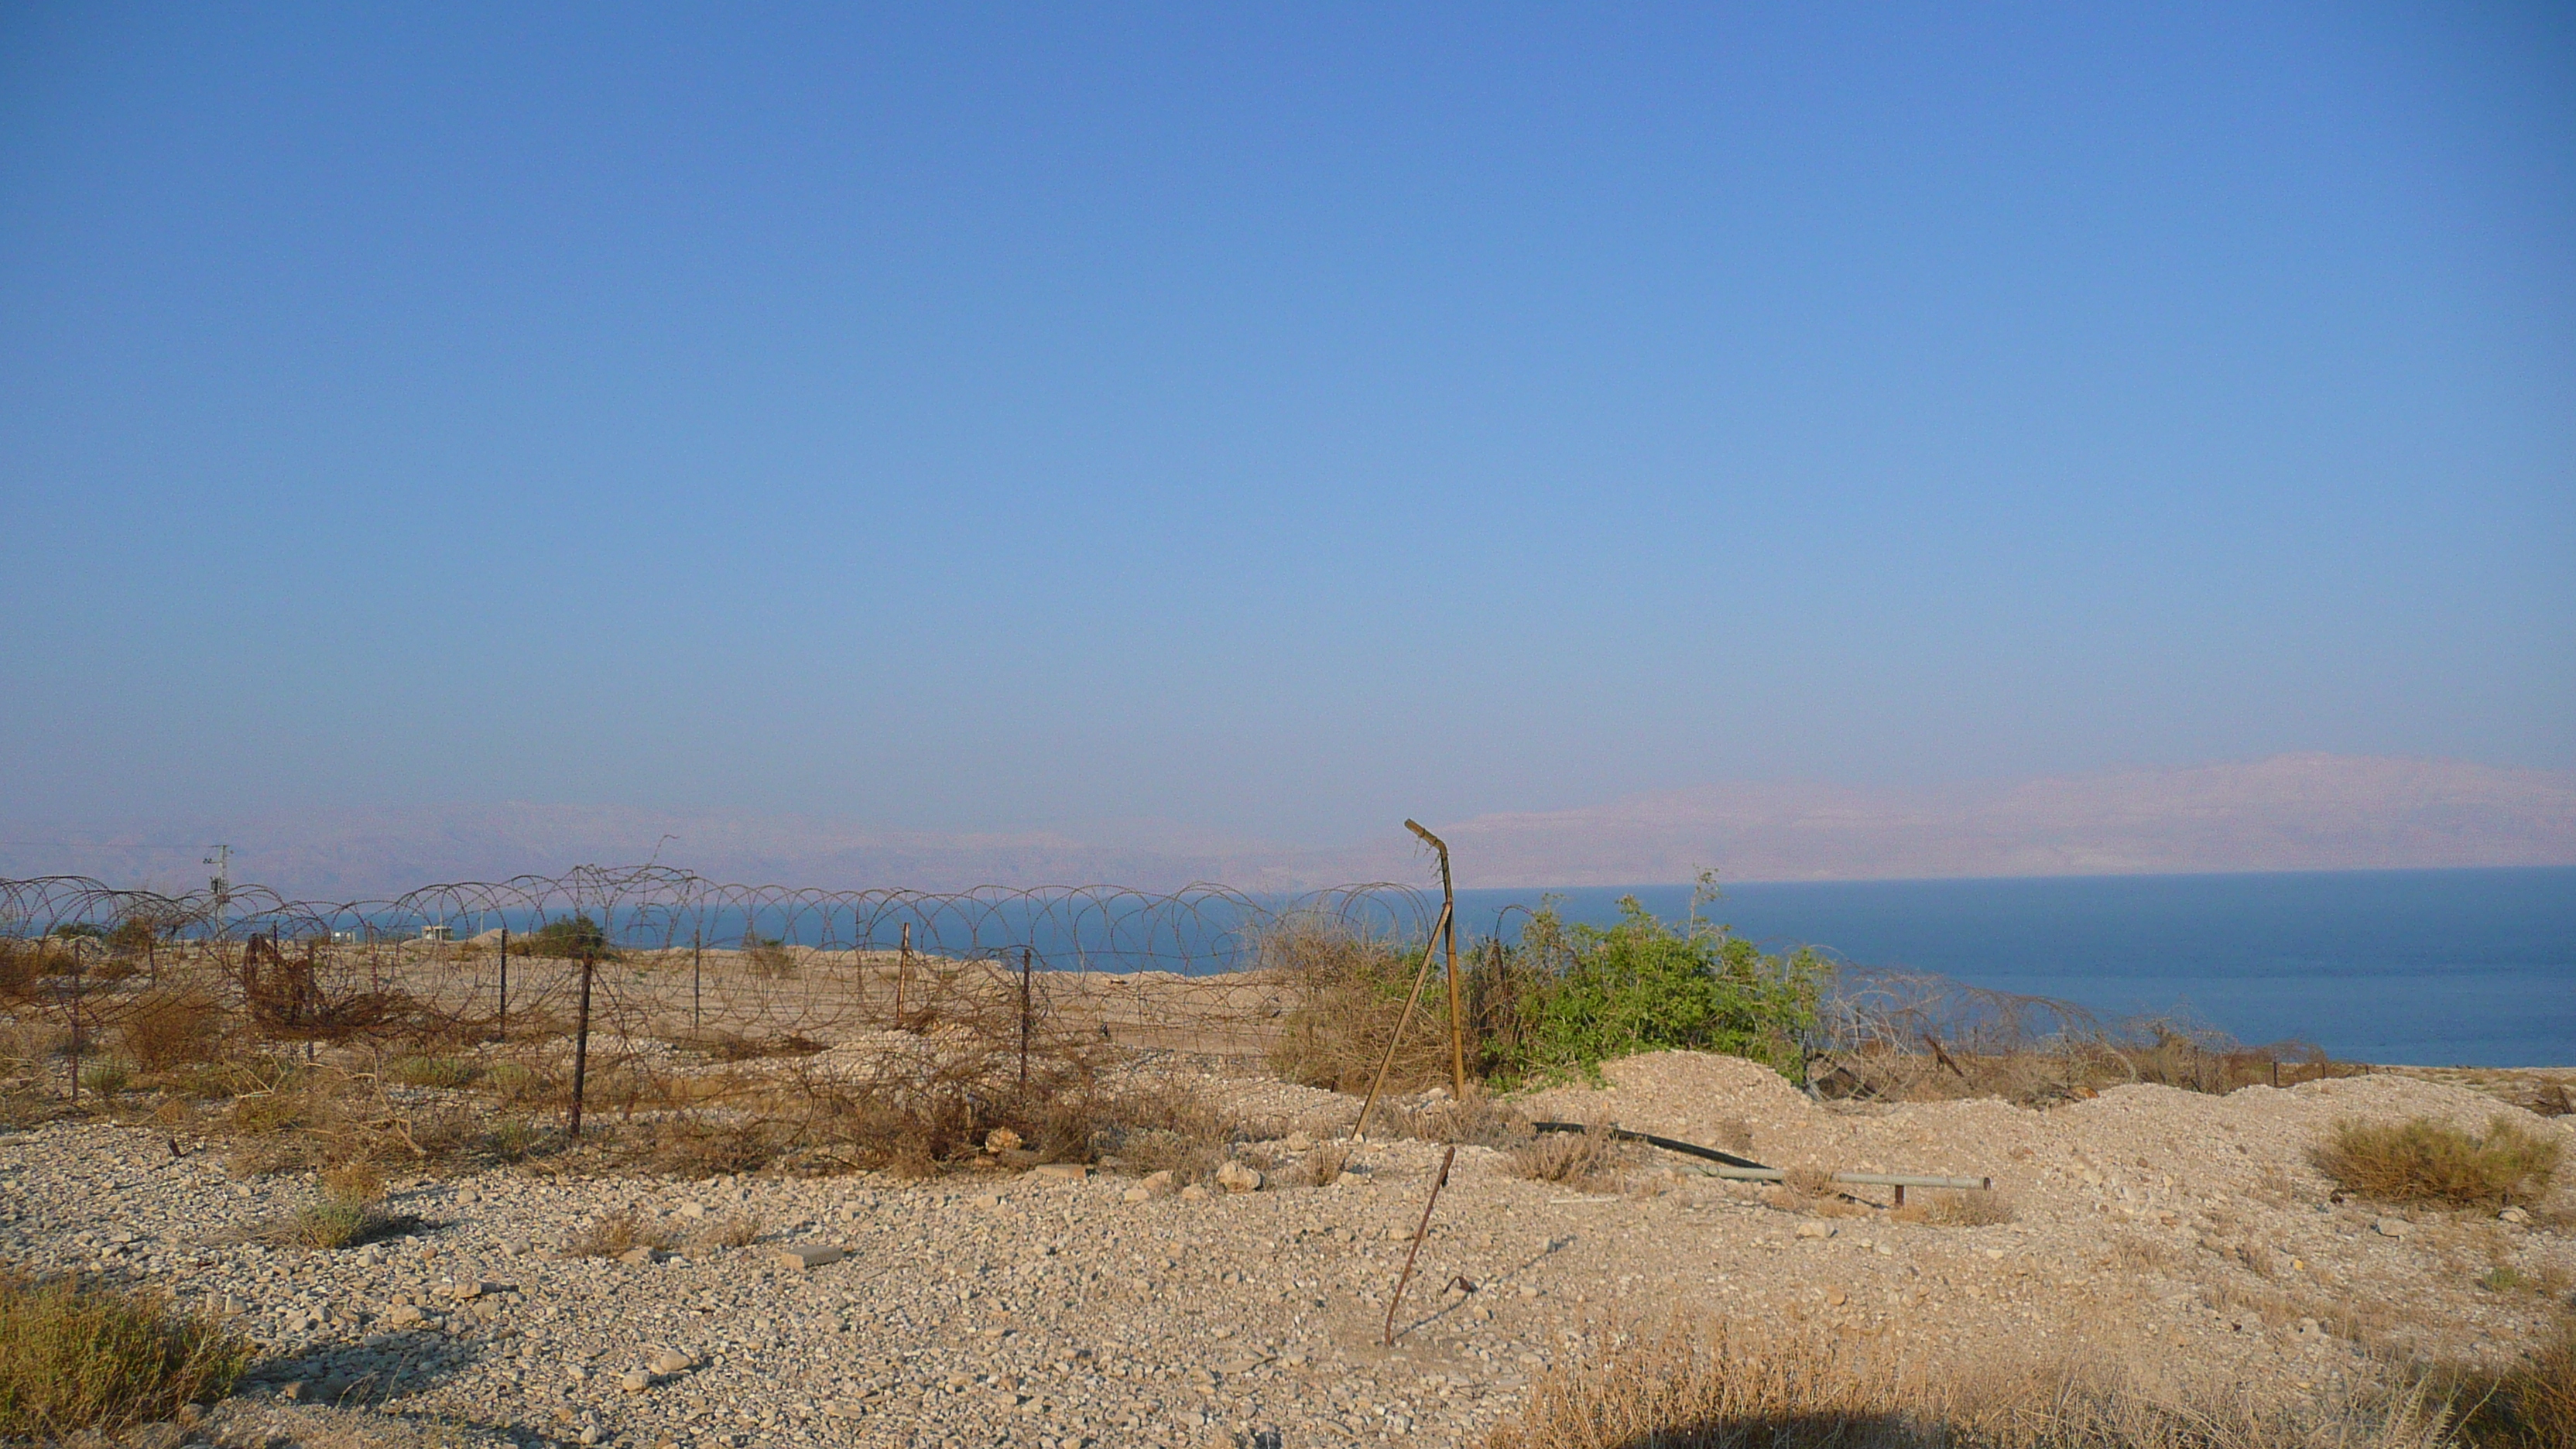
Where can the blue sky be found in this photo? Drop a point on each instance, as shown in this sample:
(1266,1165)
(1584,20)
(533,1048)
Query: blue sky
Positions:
(1274,419)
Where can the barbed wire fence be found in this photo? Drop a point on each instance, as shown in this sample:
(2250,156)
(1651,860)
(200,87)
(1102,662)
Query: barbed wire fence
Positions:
(650,990)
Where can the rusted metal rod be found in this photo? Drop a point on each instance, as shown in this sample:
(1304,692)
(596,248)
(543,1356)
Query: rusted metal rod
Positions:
(1419,1233)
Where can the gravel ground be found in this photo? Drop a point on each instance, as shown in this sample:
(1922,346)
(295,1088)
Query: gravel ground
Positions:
(2185,1233)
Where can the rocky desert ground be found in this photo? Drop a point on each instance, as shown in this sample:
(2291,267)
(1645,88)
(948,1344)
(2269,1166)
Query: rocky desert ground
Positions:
(2186,1237)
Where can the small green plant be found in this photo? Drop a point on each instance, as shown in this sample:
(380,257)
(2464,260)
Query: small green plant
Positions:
(513,1138)
(107,1076)
(325,1226)
(2503,1279)
(79,1359)
(444,1072)
(2422,1160)
(769,958)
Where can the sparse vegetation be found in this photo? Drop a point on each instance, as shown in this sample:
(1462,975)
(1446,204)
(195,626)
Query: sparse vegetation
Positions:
(1697,1386)
(1947,1209)
(739,1231)
(1564,999)
(78,1358)
(443,1072)
(1587,1161)
(619,1233)
(2425,1161)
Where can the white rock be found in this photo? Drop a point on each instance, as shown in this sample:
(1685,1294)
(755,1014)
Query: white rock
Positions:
(1239,1177)
(1814,1229)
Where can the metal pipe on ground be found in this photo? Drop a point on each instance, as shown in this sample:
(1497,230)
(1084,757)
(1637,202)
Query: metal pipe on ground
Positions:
(1745,1169)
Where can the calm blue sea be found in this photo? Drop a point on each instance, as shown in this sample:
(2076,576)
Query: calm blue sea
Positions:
(2431,967)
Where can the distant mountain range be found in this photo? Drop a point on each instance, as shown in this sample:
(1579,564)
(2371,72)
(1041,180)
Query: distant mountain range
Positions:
(2290,812)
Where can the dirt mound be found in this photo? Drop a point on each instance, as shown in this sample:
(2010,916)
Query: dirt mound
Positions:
(1696,1096)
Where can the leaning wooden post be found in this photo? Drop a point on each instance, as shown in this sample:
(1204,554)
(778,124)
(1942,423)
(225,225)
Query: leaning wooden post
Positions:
(1359,1129)
(1449,944)
(581,1043)
(697,969)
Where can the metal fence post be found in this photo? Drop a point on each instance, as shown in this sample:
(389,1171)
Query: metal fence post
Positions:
(504,1032)
(1027,957)
(581,1044)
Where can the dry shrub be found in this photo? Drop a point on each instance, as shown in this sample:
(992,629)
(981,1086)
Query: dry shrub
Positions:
(708,1146)
(2529,1406)
(1808,1180)
(1588,1161)
(1915,1036)
(1150,1125)
(618,1233)
(739,1231)
(171,1028)
(734,1046)
(79,1359)
(1948,1209)
(1696,1386)
(1349,990)
(1322,1165)
(769,961)
(353,1182)
(2422,1160)
(1478,1120)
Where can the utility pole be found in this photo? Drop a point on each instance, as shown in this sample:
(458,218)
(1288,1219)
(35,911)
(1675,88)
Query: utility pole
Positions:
(222,861)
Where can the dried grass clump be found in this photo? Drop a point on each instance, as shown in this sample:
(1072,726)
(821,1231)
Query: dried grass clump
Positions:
(173,1028)
(1349,989)
(2422,1160)
(80,1359)
(1155,1125)
(1694,1386)
(2530,1406)
(1946,1209)
(619,1233)
(1322,1165)
(739,1231)
(1588,1161)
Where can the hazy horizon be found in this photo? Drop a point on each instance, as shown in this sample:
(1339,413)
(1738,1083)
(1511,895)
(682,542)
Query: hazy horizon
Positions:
(1217,435)
(2288,813)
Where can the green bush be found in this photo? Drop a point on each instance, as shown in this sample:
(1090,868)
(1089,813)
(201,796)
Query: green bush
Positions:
(567,938)
(1570,997)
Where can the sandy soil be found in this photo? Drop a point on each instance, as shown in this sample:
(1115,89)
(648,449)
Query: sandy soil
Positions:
(2187,1235)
